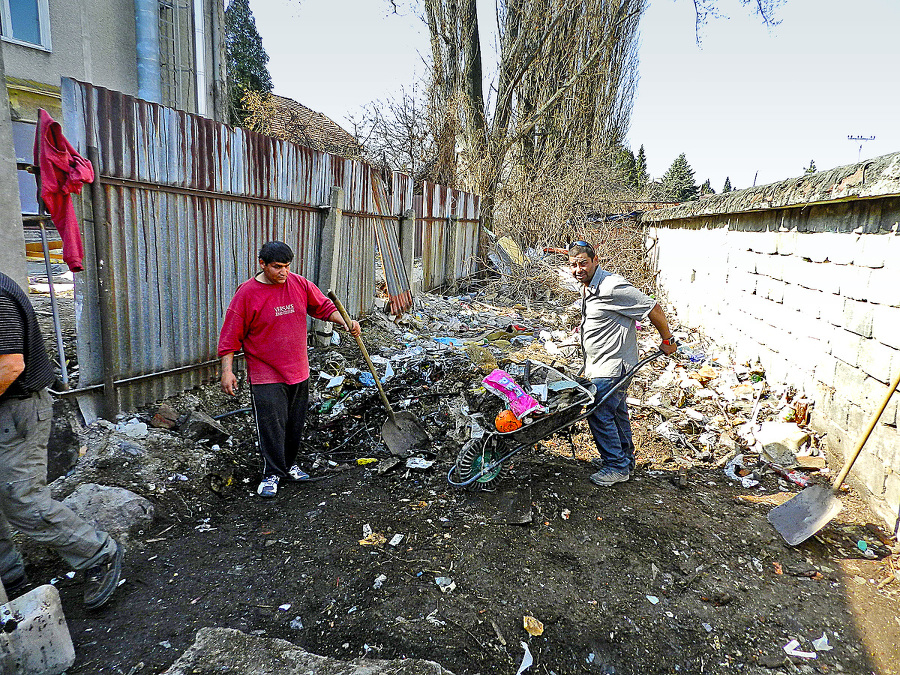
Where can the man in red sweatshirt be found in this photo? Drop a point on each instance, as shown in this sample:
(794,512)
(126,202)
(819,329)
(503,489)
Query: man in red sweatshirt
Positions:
(267,318)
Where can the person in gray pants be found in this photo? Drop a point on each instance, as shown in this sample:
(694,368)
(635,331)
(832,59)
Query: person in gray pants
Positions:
(26,505)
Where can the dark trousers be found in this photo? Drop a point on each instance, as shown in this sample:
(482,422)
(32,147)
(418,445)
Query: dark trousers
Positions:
(280,412)
(611,427)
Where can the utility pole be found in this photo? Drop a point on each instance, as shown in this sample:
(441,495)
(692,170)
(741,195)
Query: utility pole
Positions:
(860,140)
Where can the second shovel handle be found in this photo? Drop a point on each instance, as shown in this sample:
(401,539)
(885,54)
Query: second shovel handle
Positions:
(365,353)
(865,436)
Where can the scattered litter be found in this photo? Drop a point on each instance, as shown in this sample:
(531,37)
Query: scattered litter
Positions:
(379,581)
(297,623)
(395,540)
(419,463)
(446,584)
(791,650)
(736,465)
(165,644)
(565,514)
(821,644)
(285,607)
(532,625)
(708,628)
(653,599)
(527,659)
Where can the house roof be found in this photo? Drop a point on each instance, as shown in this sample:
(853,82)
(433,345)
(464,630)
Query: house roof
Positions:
(289,120)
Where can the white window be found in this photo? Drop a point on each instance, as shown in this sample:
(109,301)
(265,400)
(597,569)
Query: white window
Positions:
(26,22)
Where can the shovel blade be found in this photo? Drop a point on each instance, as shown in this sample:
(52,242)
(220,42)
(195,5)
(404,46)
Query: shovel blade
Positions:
(801,517)
(403,434)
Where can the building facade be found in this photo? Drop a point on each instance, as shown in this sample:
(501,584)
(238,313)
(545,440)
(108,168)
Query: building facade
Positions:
(167,51)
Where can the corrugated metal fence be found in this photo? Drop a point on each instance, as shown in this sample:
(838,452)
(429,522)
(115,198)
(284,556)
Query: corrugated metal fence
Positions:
(173,224)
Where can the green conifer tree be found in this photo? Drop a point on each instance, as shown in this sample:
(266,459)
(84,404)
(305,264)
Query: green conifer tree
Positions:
(727,187)
(812,167)
(640,168)
(706,188)
(678,181)
(245,56)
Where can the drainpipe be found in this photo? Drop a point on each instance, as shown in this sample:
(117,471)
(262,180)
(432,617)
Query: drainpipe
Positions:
(200,56)
(146,19)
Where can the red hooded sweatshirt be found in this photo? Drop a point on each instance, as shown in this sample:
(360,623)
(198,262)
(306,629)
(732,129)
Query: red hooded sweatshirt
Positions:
(63,171)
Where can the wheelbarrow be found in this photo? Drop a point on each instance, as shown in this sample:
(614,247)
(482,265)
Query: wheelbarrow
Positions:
(482,461)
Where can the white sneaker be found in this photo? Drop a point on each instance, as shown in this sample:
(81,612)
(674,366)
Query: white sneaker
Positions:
(296,473)
(268,487)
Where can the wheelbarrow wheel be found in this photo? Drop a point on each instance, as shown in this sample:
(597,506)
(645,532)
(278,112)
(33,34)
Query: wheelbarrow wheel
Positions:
(474,455)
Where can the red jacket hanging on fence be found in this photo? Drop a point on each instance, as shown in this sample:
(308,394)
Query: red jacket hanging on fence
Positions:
(63,171)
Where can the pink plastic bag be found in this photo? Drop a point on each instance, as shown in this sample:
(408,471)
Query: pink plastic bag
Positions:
(501,383)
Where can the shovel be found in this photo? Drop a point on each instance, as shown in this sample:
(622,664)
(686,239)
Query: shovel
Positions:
(801,517)
(401,431)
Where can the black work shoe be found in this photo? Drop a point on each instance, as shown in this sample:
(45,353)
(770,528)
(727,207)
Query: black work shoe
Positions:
(101,580)
(16,587)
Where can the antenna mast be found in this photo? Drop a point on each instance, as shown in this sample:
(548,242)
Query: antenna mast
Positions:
(860,140)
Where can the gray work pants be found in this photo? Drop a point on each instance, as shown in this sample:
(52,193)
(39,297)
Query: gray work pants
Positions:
(25,501)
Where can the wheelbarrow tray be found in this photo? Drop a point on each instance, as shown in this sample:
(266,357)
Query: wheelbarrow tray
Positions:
(483,463)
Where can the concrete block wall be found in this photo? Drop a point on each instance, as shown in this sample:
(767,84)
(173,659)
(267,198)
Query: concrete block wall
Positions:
(819,308)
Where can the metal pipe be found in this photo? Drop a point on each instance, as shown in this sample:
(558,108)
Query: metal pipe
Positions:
(64,373)
(146,21)
(104,290)
(139,378)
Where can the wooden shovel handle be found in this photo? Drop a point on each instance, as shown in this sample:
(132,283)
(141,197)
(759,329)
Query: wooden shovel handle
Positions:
(365,353)
(862,440)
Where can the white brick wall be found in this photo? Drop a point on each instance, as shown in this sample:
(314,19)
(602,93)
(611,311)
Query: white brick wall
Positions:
(819,311)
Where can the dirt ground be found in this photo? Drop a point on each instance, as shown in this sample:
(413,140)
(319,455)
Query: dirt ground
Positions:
(663,574)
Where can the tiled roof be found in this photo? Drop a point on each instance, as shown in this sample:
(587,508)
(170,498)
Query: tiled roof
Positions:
(292,121)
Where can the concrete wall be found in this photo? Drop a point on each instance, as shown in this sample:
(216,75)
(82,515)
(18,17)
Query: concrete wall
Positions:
(92,40)
(12,239)
(810,289)
(95,41)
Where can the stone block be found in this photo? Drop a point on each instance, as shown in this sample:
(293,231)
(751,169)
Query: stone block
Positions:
(115,510)
(763,242)
(200,426)
(870,250)
(831,308)
(884,286)
(825,369)
(776,291)
(802,300)
(850,382)
(877,360)
(811,246)
(846,346)
(840,247)
(821,277)
(854,281)
(869,471)
(857,317)
(771,266)
(885,445)
(892,494)
(886,325)
(786,242)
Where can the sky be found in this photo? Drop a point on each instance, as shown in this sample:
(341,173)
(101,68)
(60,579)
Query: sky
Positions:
(752,103)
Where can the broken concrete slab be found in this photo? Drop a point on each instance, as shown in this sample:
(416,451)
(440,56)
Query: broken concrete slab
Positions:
(225,650)
(200,426)
(165,417)
(117,511)
(780,441)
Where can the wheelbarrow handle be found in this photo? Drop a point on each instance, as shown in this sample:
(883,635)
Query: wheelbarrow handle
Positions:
(626,377)
(365,353)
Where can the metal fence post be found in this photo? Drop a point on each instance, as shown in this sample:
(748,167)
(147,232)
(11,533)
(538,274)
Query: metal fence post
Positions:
(452,245)
(105,291)
(332,241)
(408,244)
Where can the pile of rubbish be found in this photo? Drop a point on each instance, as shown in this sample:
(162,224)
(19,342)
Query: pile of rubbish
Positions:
(461,364)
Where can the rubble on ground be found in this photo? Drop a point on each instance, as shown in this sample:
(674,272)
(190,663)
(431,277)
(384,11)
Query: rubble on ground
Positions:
(225,650)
